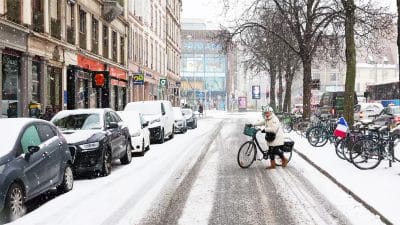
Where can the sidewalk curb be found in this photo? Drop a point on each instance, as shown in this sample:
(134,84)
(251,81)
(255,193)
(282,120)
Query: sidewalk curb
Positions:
(344,188)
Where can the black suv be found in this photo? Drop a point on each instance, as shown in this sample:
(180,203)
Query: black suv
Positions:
(95,137)
(34,158)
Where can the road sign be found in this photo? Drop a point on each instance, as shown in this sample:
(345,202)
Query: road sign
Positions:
(163,82)
(138,79)
(255,91)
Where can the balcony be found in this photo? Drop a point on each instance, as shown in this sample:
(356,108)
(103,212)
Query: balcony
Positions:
(38,22)
(82,40)
(70,35)
(55,28)
(112,9)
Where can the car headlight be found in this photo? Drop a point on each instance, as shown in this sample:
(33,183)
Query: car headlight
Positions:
(156,120)
(90,146)
(135,134)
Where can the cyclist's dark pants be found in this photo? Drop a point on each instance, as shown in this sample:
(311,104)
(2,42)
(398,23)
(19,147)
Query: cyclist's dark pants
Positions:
(275,150)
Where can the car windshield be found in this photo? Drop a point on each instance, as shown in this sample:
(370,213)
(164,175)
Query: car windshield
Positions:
(187,112)
(177,113)
(395,110)
(78,121)
(9,131)
(147,108)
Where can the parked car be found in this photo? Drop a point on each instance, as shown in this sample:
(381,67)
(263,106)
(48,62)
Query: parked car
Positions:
(34,158)
(333,103)
(96,137)
(180,121)
(298,109)
(138,130)
(191,119)
(389,116)
(364,111)
(160,116)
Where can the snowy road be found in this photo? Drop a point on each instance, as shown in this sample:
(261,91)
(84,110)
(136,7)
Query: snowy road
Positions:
(193,179)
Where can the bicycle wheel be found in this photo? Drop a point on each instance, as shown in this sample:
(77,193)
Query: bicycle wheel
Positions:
(288,156)
(396,148)
(287,127)
(317,136)
(340,145)
(366,154)
(246,154)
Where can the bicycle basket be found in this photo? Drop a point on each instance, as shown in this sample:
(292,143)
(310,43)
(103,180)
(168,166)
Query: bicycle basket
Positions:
(249,131)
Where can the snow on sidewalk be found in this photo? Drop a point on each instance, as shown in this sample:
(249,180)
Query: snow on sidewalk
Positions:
(378,187)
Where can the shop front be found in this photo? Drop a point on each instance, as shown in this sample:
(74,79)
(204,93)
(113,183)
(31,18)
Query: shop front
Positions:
(119,85)
(87,84)
(11,79)
(13,73)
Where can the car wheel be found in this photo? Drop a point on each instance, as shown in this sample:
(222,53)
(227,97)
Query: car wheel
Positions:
(68,180)
(143,149)
(127,158)
(107,159)
(173,133)
(162,138)
(14,206)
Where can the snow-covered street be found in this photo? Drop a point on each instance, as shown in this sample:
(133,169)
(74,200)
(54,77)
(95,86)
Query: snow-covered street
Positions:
(194,179)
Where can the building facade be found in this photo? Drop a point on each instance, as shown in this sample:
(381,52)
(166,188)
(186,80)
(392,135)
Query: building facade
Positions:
(67,54)
(206,73)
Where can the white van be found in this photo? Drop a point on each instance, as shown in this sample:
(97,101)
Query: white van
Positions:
(160,116)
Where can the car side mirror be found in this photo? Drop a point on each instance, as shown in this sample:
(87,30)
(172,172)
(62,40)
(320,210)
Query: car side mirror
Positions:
(113,125)
(31,150)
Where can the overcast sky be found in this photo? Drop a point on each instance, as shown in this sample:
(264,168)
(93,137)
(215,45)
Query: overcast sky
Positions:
(211,10)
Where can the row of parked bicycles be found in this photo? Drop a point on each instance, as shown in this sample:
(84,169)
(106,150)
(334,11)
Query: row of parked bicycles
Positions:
(365,144)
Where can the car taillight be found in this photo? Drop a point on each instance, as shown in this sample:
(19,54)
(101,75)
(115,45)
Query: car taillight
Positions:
(333,111)
(396,119)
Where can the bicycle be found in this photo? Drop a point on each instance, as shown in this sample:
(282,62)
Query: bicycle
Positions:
(247,153)
(368,153)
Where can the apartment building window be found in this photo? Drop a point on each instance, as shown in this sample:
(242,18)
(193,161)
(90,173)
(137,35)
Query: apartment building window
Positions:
(114,46)
(70,23)
(122,50)
(55,21)
(95,35)
(333,77)
(105,41)
(82,28)
(37,16)
(14,10)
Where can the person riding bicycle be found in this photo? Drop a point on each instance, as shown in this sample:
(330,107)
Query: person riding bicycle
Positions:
(273,126)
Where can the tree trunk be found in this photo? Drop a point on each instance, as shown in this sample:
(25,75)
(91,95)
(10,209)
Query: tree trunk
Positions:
(280,89)
(288,94)
(349,8)
(272,101)
(306,60)
(398,34)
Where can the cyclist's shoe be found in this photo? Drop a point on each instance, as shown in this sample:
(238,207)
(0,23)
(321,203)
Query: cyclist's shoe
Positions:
(284,162)
(272,166)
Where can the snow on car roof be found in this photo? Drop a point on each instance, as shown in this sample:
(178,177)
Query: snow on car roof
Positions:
(9,131)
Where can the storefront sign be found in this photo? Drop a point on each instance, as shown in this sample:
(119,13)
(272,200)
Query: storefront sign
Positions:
(90,64)
(163,82)
(99,80)
(138,79)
